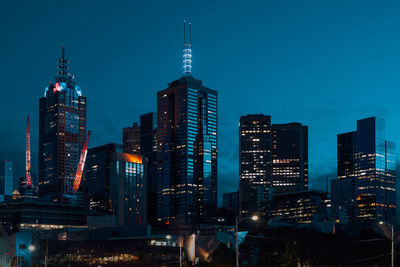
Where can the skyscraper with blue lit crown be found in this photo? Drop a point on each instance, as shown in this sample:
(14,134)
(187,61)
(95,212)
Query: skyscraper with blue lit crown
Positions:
(187,149)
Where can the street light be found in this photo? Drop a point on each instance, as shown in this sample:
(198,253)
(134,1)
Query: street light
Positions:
(31,248)
(392,249)
(237,221)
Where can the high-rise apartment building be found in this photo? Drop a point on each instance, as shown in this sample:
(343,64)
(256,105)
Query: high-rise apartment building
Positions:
(367,158)
(131,139)
(117,184)
(62,133)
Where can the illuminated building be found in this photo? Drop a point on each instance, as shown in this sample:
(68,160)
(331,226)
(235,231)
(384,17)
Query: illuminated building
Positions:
(116,184)
(148,145)
(298,207)
(272,159)
(28,213)
(6,179)
(187,149)
(255,160)
(62,133)
(289,157)
(131,139)
(367,158)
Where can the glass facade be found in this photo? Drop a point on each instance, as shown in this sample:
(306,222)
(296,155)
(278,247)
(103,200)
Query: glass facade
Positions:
(255,160)
(117,184)
(376,180)
(272,159)
(187,152)
(289,157)
(367,158)
(6,178)
(62,133)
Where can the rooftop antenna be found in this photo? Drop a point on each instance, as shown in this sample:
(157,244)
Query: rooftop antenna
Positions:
(187,51)
(63,66)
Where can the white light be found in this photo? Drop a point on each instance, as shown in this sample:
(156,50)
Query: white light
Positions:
(254,218)
(31,248)
(168,237)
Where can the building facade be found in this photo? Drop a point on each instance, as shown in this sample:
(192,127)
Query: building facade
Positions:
(62,133)
(230,201)
(289,157)
(298,207)
(255,160)
(366,158)
(6,179)
(187,152)
(273,159)
(131,139)
(117,184)
(148,144)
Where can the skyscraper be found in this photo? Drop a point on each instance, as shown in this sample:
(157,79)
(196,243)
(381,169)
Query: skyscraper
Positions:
(131,139)
(187,149)
(255,160)
(6,179)
(62,133)
(289,157)
(369,159)
(343,189)
(148,145)
(272,159)
(117,185)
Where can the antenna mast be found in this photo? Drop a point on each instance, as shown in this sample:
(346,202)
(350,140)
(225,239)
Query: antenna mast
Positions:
(187,51)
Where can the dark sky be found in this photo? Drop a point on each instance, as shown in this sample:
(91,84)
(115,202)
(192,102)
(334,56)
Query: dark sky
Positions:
(322,63)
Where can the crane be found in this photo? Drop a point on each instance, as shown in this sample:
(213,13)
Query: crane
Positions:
(81,165)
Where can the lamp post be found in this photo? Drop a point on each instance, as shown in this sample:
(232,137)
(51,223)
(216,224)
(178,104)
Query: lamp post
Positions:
(237,221)
(392,244)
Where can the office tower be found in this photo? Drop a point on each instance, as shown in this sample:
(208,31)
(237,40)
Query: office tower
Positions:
(289,157)
(62,133)
(6,179)
(131,139)
(369,159)
(255,160)
(343,189)
(147,150)
(230,201)
(273,159)
(116,184)
(187,149)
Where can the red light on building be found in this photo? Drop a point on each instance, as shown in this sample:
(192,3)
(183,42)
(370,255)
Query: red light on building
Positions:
(28,153)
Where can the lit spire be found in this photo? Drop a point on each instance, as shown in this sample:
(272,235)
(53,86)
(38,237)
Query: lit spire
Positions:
(63,65)
(187,50)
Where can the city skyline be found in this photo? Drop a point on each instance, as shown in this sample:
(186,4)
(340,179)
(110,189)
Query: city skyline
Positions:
(327,112)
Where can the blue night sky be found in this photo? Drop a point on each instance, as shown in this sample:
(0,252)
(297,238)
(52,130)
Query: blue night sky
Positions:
(322,63)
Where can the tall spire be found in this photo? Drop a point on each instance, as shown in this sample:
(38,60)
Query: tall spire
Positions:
(63,66)
(187,50)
